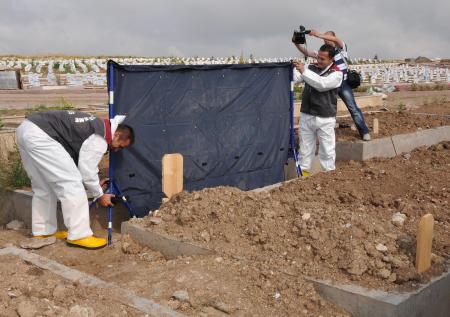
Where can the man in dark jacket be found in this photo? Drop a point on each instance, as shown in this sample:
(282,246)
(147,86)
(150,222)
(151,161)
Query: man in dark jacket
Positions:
(318,109)
(60,151)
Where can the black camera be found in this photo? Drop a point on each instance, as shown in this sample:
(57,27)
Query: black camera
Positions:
(299,36)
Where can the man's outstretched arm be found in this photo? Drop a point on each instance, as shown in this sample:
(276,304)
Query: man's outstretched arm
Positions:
(328,37)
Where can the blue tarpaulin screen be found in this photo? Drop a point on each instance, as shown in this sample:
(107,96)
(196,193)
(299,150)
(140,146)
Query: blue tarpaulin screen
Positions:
(231,123)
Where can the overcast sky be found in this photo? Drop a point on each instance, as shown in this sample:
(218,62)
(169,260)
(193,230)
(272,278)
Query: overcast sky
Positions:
(395,28)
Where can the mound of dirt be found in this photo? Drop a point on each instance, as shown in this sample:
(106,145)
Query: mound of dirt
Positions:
(334,225)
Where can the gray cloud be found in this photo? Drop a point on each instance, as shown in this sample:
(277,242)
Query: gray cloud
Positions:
(212,28)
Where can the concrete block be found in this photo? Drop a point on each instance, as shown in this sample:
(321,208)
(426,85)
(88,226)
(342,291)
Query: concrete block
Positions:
(21,200)
(168,246)
(390,146)
(346,151)
(315,166)
(290,171)
(6,207)
(382,147)
(432,299)
(407,142)
(10,79)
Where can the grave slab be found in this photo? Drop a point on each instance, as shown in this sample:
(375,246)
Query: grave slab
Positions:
(390,146)
(168,246)
(430,300)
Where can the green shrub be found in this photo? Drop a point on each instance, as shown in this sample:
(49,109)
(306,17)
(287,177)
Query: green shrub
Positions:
(12,172)
(401,107)
(64,105)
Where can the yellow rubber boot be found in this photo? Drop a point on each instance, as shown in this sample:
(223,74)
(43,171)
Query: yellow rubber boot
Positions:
(88,242)
(57,235)
(305,173)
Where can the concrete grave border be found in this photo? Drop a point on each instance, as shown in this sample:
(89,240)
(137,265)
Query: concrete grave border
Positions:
(168,246)
(430,300)
(390,146)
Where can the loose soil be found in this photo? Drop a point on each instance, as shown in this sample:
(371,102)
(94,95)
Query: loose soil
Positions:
(331,226)
(26,290)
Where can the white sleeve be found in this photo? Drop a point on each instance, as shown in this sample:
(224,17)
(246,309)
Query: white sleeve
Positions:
(91,152)
(322,83)
(297,76)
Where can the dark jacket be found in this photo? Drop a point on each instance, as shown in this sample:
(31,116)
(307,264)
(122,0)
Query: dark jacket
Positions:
(69,128)
(316,103)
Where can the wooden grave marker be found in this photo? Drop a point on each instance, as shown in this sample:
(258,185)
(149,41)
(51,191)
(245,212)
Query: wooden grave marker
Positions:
(424,243)
(172,174)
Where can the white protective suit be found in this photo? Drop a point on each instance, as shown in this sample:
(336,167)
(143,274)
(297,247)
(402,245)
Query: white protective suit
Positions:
(55,176)
(313,127)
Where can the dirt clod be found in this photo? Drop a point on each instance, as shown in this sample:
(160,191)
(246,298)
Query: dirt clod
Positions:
(181,295)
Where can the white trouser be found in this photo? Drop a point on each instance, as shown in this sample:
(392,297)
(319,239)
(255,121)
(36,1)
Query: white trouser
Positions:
(311,128)
(54,176)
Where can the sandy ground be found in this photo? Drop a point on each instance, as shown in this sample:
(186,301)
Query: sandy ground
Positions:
(32,291)
(416,98)
(20,99)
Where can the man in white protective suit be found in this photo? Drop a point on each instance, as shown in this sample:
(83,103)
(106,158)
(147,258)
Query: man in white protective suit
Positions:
(61,151)
(318,109)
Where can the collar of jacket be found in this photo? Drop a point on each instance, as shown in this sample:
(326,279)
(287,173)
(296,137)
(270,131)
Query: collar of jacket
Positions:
(108,135)
(326,69)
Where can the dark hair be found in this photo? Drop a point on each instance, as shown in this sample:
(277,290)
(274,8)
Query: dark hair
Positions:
(331,32)
(328,48)
(126,132)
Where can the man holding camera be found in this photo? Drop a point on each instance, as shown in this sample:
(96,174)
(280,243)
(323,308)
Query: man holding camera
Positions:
(340,59)
(318,109)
